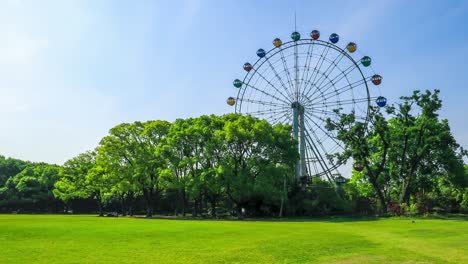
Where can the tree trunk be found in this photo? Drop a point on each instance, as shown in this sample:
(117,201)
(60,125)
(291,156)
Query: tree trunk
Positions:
(195,207)
(213,208)
(183,202)
(130,202)
(176,203)
(405,195)
(380,195)
(122,205)
(130,210)
(282,199)
(101,213)
(240,213)
(281,208)
(148,193)
(203,202)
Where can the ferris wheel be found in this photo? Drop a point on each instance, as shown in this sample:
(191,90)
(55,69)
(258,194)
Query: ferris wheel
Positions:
(303,82)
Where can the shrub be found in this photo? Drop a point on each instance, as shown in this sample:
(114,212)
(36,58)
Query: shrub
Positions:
(394,208)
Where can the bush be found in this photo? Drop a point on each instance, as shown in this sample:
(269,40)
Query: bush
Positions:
(394,208)
(464,202)
(422,208)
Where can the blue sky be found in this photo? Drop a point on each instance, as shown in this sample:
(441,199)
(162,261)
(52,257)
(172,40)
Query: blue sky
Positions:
(70,70)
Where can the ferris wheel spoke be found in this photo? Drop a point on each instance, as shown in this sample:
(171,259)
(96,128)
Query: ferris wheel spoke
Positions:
(267,94)
(317,67)
(335,148)
(336,79)
(323,137)
(316,153)
(319,142)
(315,156)
(318,89)
(324,104)
(310,54)
(332,137)
(286,116)
(333,64)
(288,91)
(321,111)
(318,117)
(357,117)
(338,91)
(264,112)
(274,87)
(264,103)
(288,74)
(311,160)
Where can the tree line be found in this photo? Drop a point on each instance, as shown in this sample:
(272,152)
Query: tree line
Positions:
(215,166)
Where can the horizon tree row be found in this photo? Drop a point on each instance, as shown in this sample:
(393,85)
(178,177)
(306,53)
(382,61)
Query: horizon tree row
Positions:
(202,160)
(406,158)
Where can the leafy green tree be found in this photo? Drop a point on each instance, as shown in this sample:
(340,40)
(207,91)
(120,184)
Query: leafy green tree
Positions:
(462,194)
(208,129)
(10,167)
(119,180)
(72,182)
(181,153)
(194,153)
(33,186)
(98,184)
(422,146)
(253,150)
(368,146)
(133,151)
(405,154)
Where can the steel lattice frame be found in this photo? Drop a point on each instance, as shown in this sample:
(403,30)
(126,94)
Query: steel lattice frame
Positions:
(301,83)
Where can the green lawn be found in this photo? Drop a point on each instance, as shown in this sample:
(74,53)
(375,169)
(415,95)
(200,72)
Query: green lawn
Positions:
(90,239)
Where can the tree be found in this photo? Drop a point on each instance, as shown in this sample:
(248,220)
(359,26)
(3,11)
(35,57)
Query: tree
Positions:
(72,182)
(98,185)
(368,146)
(405,154)
(422,145)
(194,153)
(118,177)
(10,167)
(252,152)
(211,177)
(132,149)
(181,152)
(32,187)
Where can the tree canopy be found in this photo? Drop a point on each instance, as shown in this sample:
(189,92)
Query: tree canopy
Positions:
(215,166)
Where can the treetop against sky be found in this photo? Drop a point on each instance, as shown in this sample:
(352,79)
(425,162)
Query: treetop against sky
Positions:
(71,70)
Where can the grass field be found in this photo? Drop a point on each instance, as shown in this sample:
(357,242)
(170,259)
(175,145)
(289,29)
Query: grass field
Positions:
(90,239)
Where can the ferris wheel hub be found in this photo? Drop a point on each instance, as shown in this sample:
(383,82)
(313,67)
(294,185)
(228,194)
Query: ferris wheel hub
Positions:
(298,106)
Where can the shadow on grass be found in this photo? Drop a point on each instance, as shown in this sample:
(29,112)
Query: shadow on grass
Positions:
(337,219)
(332,219)
(459,217)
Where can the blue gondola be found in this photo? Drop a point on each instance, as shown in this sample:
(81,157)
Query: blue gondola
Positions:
(261,53)
(334,38)
(381,101)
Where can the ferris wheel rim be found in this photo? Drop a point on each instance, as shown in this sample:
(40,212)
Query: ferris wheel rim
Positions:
(328,165)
